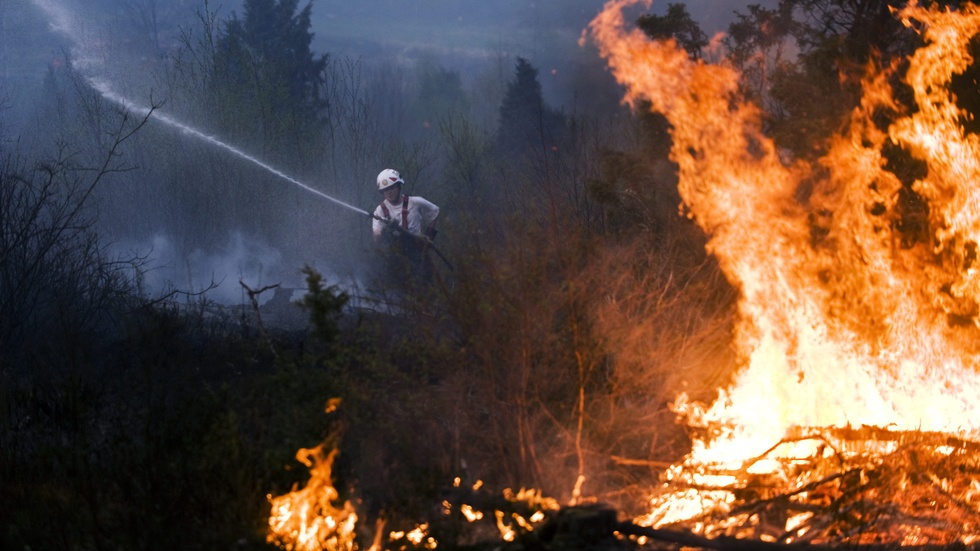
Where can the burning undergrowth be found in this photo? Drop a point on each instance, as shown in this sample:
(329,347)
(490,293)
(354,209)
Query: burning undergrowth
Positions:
(844,323)
(852,417)
(854,486)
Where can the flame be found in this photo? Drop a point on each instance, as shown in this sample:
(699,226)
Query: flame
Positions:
(307,519)
(852,329)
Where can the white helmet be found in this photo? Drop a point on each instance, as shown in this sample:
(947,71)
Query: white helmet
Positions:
(389,177)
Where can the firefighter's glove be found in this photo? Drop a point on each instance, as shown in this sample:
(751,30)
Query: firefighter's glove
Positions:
(430,232)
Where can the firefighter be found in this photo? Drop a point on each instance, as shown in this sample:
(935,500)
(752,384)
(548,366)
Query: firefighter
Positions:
(406,224)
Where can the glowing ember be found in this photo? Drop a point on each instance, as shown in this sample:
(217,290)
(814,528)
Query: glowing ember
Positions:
(506,532)
(510,524)
(418,537)
(848,330)
(470,514)
(307,519)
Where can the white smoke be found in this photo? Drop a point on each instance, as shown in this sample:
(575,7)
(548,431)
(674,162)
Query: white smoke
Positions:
(218,274)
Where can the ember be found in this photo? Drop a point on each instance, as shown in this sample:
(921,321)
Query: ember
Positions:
(843,329)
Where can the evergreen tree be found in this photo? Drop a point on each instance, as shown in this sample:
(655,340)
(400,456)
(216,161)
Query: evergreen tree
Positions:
(270,77)
(638,188)
(677,24)
(834,42)
(440,96)
(526,123)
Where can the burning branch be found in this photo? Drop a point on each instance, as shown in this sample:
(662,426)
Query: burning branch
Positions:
(870,487)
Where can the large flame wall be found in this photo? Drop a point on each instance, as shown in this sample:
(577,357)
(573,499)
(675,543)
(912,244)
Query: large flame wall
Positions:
(852,328)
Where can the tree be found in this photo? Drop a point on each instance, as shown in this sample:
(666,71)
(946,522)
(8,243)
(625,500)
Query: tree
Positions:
(756,44)
(637,188)
(440,96)
(526,123)
(836,40)
(676,24)
(272,82)
(57,281)
(855,30)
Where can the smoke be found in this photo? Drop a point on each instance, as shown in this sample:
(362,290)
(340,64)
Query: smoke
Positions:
(221,273)
(468,40)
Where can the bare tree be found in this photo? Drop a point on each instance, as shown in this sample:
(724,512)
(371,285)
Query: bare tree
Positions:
(55,275)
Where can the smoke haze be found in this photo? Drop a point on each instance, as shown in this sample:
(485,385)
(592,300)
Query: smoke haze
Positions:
(282,228)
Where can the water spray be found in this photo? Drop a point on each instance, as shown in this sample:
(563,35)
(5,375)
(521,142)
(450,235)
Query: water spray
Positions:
(103,88)
(60,22)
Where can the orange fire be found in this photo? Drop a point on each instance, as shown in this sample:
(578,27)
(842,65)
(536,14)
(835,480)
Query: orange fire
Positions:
(307,519)
(849,330)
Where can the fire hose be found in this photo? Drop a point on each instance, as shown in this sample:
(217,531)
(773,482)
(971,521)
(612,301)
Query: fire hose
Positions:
(425,241)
